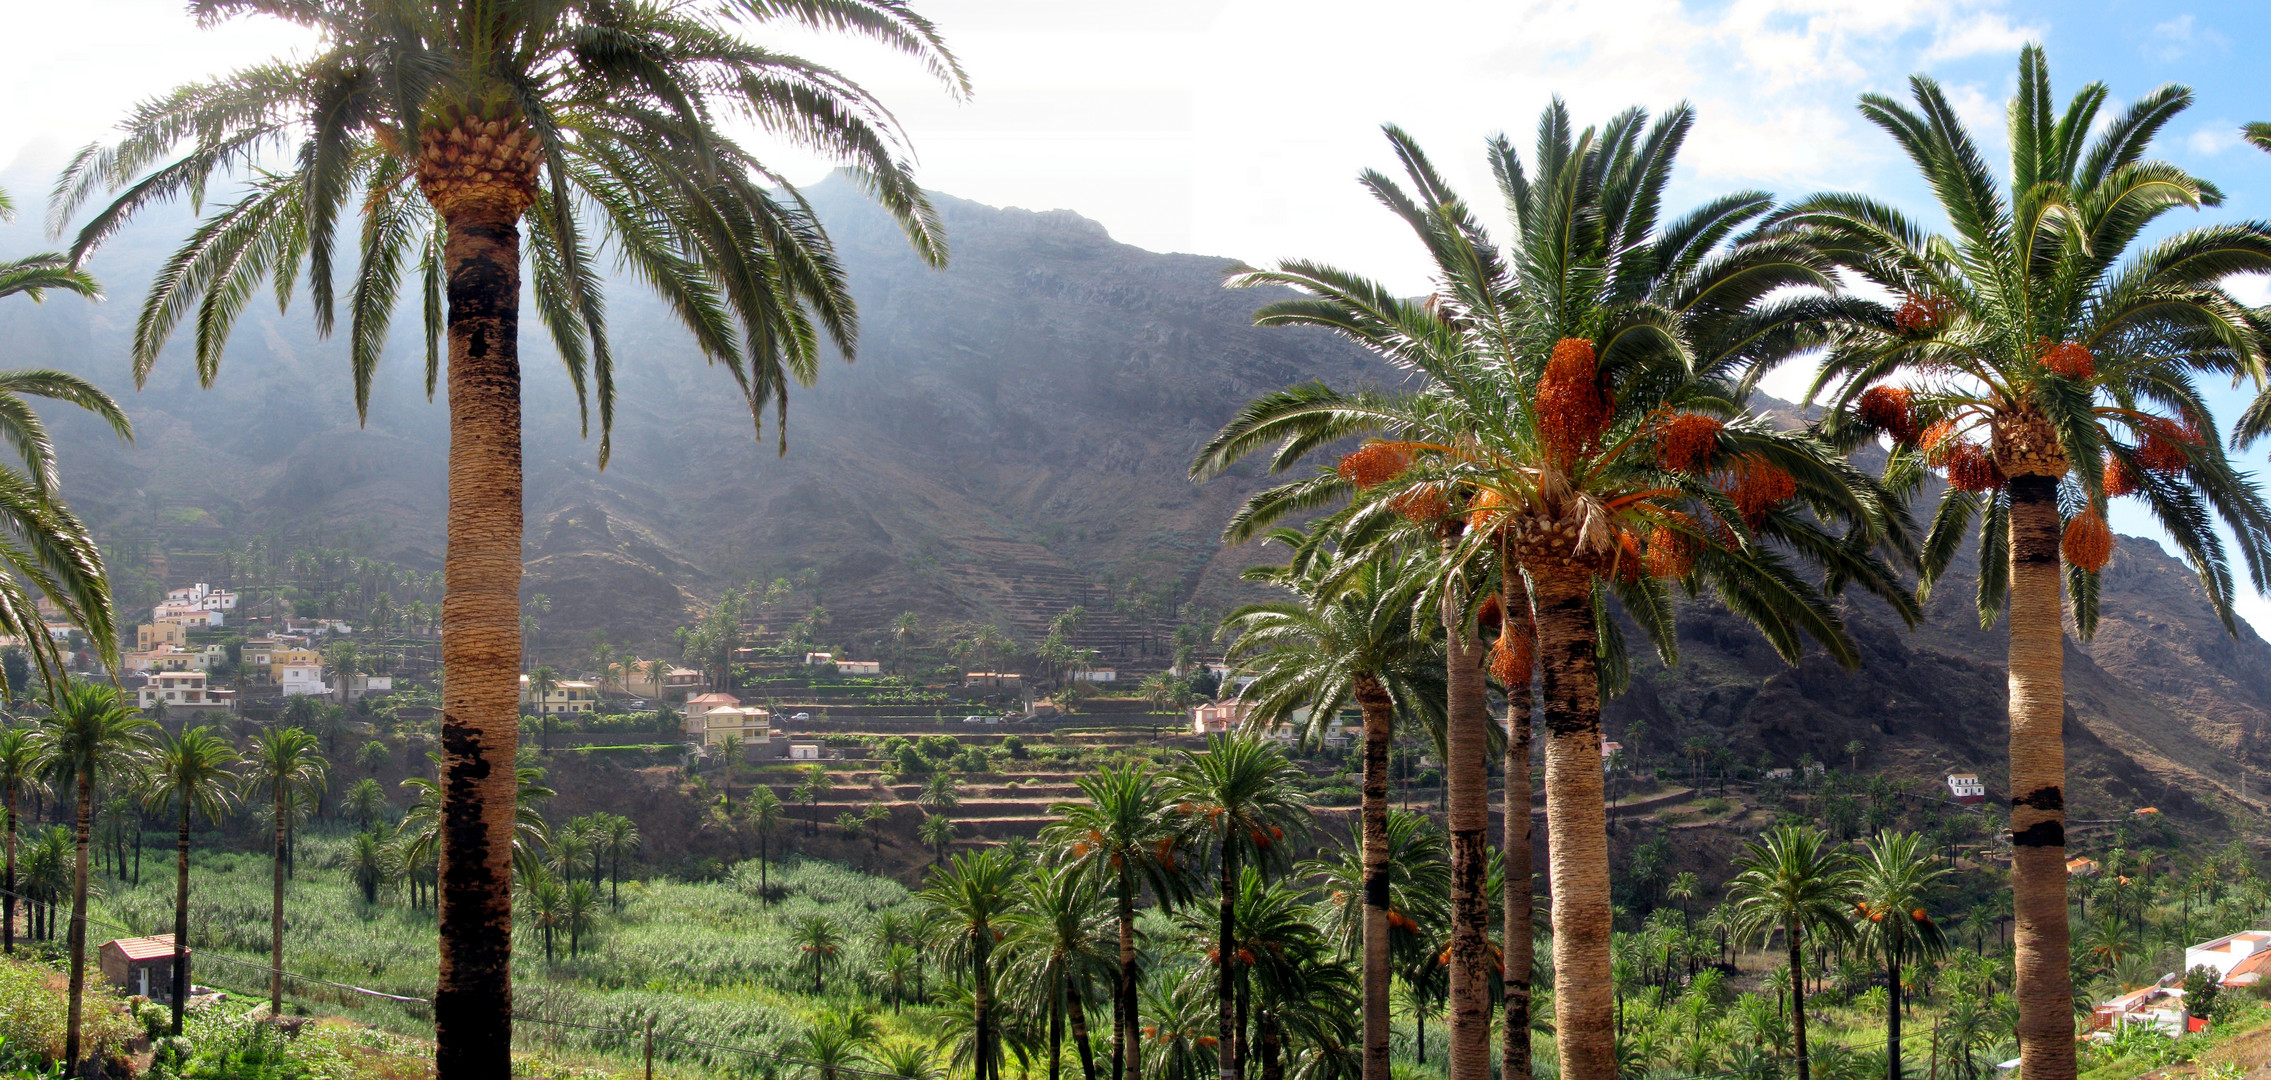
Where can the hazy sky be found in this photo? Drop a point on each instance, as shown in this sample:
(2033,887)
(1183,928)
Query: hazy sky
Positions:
(1236,127)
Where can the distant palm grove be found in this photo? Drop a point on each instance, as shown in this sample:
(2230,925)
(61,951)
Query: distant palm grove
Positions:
(1333,873)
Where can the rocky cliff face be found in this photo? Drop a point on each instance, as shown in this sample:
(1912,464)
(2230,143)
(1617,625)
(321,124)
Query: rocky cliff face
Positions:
(1014,431)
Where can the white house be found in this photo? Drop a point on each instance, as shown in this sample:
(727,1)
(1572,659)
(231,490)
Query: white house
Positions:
(2157,1007)
(1096,675)
(1967,788)
(181,690)
(818,659)
(301,676)
(202,596)
(804,751)
(859,667)
(2242,959)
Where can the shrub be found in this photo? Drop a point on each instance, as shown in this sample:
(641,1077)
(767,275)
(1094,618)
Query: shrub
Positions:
(33,1010)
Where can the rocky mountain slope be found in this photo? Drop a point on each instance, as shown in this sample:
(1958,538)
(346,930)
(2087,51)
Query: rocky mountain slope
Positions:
(1013,435)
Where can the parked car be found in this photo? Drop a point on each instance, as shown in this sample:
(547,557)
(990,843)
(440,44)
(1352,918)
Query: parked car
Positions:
(802,716)
(639,704)
(975,720)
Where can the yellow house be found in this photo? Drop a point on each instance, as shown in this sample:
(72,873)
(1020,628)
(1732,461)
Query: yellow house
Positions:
(750,724)
(149,636)
(566,696)
(280,659)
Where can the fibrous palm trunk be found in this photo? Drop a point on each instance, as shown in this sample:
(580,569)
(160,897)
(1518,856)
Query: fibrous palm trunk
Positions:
(78,933)
(276,909)
(2038,783)
(1078,1012)
(1467,786)
(8,932)
(1379,712)
(1517,952)
(1577,854)
(1892,1014)
(181,917)
(1226,963)
(1798,999)
(480,176)
(981,1003)
(1127,1042)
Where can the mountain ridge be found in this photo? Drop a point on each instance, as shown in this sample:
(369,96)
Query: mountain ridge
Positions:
(1012,439)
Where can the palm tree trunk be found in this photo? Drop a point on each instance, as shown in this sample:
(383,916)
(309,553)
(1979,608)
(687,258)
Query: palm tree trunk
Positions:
(1226,963)
(276,912)
(78,941)
(1518,951)
(480,627)
(1273,1041)
(1467,796)
(1892,1014)
(981,1004)
(1798,999)
(1379,713)
(2038,780)
(1079,1014)
(1577,851)
(8,932)
(181,917)
(1057,1035)
(1126,1040)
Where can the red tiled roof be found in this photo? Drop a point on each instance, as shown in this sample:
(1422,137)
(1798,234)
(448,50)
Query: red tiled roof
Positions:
(157,947)
(2258,965)
(711,699)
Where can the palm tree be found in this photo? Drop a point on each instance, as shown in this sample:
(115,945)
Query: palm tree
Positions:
(1178,1030)
(443,124)
(1349,635)
(834,1043)
(1239,799)
(969,896)
(1793,880)
(548,902)
(820,940)
(581,914)
(729,756)
(905,1059)
(1580,417)
(1123,832)
(285,769)
(1893,887)
(91,738)
(1056,946)
(366,864)
(937,830)
(19,768)
(763,810)
(2046,367)
(189,772)
(541,683)
(48,548)
(619,837)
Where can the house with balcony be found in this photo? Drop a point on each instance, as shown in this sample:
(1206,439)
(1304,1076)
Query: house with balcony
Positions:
(677,684)
(181,690)
(1217,717)
(748,723)
(566,697)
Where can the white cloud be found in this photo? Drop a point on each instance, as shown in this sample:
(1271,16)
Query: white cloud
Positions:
(2213,139)
(2170,39)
